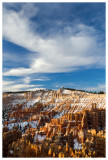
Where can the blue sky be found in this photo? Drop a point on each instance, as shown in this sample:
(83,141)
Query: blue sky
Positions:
(53,45)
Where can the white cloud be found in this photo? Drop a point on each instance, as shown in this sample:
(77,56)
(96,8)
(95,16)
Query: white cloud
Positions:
(100,87)
(28,10)
(41,79)
(57,86)
(23,83)
(5,83)
(18,85)
(27,80)
(66,84)
(34,89)
(77,47)
(17,72)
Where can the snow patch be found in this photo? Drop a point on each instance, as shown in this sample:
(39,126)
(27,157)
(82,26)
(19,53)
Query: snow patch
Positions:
(40,138)
(65,91)
(77,145)
(11,152)
(32,102)
(34,124)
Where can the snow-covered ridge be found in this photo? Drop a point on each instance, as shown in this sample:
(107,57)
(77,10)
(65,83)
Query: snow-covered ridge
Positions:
(60,105)
(65,91)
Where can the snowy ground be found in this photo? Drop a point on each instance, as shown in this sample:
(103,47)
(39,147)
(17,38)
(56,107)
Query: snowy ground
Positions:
(59,115)
(33,124)
(77,145)
(11,125)
(11,152)
(11,119)
(31,102)
(40,138)
(18,101)
(65,91)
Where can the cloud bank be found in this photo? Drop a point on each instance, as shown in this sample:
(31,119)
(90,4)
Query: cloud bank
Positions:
(75,47)
(99,87)
(12,86)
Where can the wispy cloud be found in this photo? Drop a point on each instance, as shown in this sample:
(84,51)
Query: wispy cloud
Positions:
(66,84)
(57,86)
(41,79)
(78,46)
(7,86)
(34,89)
(28,79)
(5,83)
(99,87)
(19,85)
